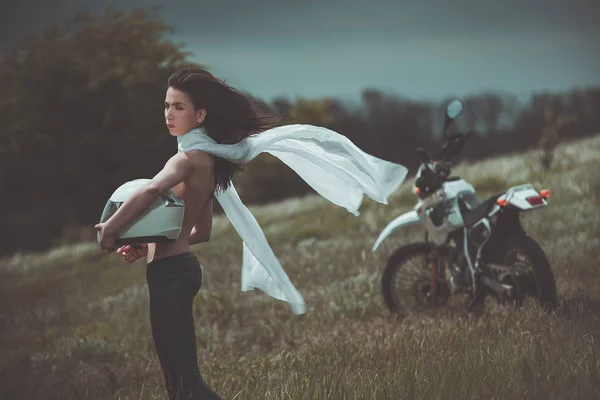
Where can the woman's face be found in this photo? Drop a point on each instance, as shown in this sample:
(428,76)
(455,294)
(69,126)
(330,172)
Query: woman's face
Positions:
(180,114)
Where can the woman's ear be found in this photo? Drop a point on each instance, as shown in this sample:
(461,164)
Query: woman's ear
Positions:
(200,115)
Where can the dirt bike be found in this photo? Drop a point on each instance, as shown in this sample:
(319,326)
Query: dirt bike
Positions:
(472,246)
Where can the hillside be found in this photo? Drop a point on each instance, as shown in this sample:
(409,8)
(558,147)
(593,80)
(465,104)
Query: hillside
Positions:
(75,324)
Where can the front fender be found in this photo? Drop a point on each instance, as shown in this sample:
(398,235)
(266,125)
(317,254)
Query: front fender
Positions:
(406,219)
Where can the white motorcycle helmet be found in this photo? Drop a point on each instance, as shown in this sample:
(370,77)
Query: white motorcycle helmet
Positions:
(161,222)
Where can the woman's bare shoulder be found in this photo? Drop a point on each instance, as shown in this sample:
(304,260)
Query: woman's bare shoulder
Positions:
(199,158)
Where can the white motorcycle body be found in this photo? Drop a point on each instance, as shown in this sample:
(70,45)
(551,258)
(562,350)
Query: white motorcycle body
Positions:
(440,213)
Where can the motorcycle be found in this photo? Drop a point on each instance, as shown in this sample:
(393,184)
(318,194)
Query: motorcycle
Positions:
(471,246)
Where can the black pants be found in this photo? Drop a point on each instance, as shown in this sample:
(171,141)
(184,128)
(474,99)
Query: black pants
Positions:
(173,282)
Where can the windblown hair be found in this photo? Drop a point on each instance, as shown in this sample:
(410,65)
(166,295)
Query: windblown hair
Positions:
(231,116)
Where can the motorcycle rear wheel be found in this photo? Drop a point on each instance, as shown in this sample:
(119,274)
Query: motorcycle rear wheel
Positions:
(539,283)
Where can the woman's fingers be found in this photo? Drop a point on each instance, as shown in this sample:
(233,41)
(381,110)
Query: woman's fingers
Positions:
(129,253)
(135,253)
(123,249)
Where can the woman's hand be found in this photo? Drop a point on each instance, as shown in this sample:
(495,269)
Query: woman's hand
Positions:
(107,237)
(133,253)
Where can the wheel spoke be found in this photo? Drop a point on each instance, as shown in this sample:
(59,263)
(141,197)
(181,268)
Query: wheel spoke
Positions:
(408,285)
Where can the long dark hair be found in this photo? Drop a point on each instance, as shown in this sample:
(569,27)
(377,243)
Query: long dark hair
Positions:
(230,115)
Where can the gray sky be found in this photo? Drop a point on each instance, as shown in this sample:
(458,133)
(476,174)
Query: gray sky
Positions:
(428,49)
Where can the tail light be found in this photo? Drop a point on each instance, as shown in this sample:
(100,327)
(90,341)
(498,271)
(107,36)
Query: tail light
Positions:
(545,193)
(535,200)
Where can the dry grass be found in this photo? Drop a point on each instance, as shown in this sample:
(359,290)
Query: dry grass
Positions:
(74,321)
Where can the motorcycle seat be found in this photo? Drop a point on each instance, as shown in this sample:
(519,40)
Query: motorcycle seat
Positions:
(472,215)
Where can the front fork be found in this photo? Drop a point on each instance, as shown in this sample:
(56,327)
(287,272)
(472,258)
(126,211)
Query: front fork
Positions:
(435,267)
(436,264)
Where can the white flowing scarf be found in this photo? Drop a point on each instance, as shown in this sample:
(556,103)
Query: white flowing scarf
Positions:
(328,161)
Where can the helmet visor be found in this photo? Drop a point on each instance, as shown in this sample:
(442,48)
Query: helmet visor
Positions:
(110,208)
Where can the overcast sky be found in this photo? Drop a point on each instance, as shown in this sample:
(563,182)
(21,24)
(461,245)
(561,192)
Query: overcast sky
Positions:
(418,49)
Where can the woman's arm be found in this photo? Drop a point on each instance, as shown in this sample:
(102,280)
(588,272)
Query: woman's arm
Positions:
(174,172)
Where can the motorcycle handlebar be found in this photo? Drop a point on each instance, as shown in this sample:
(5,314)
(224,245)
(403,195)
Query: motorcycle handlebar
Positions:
(454,145)
(454,140)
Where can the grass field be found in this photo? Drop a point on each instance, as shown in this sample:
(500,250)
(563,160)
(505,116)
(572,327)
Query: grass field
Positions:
(74,321)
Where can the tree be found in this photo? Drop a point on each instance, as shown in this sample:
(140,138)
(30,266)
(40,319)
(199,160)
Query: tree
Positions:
(550,135)
(82,113)
(314,112)
(489,112)
(398,126)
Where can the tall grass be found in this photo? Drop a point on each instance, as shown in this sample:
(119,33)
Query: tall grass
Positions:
(74,321)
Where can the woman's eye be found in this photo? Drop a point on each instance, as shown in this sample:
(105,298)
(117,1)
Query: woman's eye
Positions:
(179,108)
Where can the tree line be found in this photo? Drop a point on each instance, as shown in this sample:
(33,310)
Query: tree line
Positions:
(81,113)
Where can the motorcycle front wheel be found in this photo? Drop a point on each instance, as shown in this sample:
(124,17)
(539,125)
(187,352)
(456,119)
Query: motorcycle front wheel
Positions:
(406,281)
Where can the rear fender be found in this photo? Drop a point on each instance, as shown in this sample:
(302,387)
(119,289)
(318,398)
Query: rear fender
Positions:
(407,219)
(520,197)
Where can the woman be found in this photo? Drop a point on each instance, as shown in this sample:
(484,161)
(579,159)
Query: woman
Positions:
(194,98)
(209,117)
